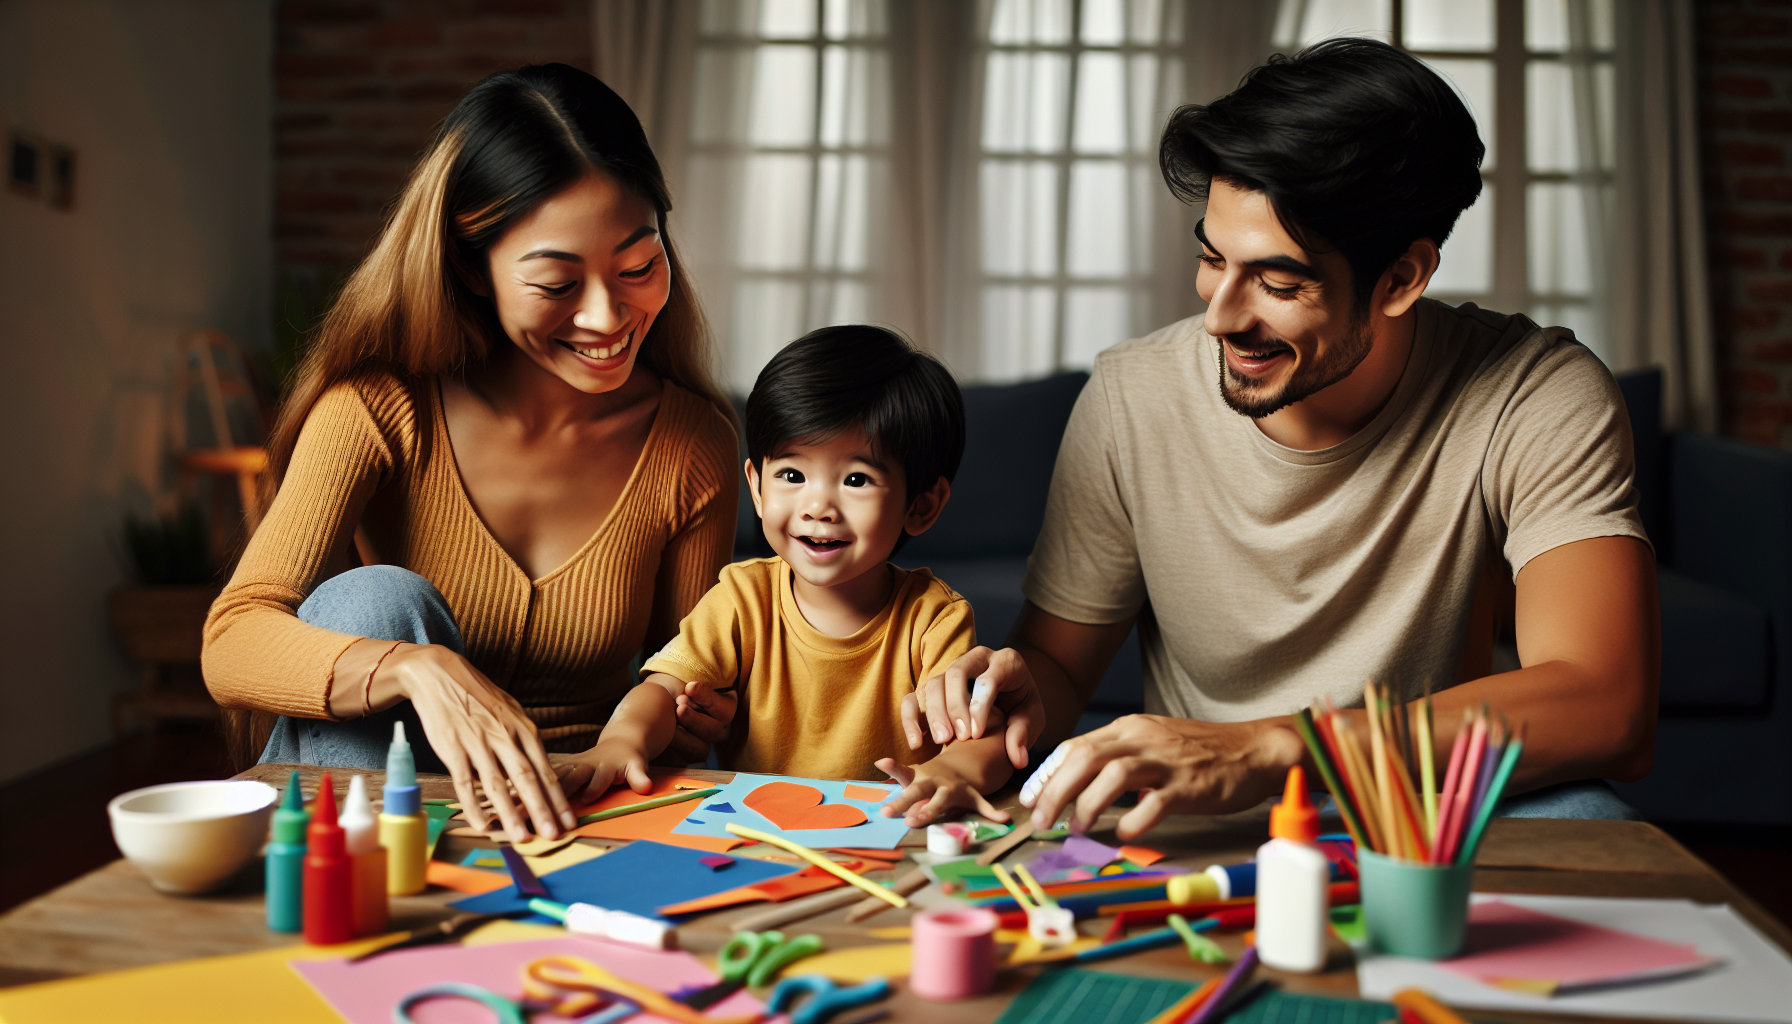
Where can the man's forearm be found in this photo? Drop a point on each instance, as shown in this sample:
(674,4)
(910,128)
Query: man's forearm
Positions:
(1063,702)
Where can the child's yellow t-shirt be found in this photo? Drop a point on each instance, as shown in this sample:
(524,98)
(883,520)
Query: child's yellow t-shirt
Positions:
(812,704)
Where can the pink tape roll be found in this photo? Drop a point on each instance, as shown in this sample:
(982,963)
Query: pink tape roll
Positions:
(954,954)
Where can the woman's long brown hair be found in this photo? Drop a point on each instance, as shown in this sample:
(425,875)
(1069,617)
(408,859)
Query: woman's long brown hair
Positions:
(517,138)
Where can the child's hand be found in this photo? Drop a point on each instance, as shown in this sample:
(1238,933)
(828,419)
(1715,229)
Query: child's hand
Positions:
(586,777)
(704,717)
(930,790)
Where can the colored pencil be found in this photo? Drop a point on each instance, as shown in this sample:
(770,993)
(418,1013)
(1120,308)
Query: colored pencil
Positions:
(1032,884)
(1427,768)
(1502,775)
(1384,782)
(1364,780)
(1238,975)
(1303,724)
(1497,738)
(1178,1011)
(1452,775)
(647,805)
(1465,788)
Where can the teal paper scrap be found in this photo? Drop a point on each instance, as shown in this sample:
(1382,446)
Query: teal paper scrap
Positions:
(877,833)
(1074,996)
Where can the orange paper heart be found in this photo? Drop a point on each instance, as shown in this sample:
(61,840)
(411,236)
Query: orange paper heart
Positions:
(797,808)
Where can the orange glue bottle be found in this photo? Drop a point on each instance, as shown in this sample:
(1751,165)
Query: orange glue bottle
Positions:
(361,834)
(329,874)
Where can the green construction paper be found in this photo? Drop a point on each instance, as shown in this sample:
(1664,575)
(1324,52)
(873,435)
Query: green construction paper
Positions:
(438,820)
(961,871)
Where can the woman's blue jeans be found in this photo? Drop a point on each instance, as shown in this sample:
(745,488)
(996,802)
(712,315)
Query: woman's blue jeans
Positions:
(382,602)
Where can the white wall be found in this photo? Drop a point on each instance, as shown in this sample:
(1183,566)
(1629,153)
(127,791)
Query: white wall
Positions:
(168,106)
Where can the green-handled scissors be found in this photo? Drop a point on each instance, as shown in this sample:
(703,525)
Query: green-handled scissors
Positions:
(752,958)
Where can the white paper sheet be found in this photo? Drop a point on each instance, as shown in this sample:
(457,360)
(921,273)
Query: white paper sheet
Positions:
(1753,984)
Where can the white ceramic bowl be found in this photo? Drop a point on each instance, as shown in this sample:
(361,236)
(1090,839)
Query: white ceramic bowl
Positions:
(192,837)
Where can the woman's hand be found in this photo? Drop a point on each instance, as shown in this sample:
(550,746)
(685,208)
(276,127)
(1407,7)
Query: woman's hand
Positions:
(952,707)
(1175,764)
(930,790)
(479,730)
(587,777)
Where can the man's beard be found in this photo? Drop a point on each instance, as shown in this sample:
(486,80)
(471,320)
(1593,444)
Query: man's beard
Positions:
(1250,398)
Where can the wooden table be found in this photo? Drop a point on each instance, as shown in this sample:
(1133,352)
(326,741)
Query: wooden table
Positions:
(112,919)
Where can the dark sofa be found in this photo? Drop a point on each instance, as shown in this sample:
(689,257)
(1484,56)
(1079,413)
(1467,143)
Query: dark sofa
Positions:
(1719,511)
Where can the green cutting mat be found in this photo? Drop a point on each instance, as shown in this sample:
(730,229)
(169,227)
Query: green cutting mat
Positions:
(1073,996)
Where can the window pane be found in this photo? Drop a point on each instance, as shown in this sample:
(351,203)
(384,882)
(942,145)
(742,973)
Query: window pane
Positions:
(1448,24)
(1152,99)
(1465,264)
(774,230)
(1098,221)
(786,19)
(767,316)
(721,72)
(1585,319)
(1019,325)
(1100,104)
(1104,22)
(783,96)
(1019,206)
(1023,102)
(841,202)
(1560,257)
(1094,319)
(1305,22)
(852,100)
(1148,19)
(1473,80)
(725,18)
(1019,22)
(835,301)
(842,19)
(1556,26)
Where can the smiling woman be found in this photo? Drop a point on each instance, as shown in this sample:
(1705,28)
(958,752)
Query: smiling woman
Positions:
(507,419)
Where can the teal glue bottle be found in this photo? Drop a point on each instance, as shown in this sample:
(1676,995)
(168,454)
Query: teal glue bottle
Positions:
(286,862)
(404,831)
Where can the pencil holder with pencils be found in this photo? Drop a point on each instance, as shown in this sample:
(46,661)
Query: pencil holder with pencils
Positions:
(1416,841)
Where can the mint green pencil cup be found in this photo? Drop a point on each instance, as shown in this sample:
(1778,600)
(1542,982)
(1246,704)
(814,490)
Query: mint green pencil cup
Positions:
(1414,909)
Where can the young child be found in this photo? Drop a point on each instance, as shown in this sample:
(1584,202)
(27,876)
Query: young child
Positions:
(853,437)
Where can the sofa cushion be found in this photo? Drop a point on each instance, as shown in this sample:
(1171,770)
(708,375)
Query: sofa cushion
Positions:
(1011,444)
(1716,649)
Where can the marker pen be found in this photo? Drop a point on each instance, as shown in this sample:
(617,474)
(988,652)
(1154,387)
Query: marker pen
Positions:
(286,862)
(404,831)
(369,859)
(329,874)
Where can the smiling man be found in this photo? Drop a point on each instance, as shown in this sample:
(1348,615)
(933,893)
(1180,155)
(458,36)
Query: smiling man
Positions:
(1328,479)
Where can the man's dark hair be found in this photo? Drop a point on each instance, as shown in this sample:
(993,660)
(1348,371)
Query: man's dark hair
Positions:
(838,378)
(1358,146)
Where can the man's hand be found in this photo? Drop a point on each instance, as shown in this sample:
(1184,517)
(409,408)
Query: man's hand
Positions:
(1175,764)
(930,790)
(705,715)
(953,707)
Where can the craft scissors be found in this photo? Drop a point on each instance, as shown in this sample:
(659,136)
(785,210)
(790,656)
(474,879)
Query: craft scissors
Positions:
(451,930)
(826,998)
(751,958)
(572,985)
(508,1011)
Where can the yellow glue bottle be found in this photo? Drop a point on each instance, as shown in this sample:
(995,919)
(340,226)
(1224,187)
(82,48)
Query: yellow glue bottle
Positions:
(368,857)
(404,831)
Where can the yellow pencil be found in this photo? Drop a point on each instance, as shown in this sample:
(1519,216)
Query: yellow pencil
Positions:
(1361,779)
(1013,888)
(1384,786)
(1427,767)
(1033,886)
(821,862)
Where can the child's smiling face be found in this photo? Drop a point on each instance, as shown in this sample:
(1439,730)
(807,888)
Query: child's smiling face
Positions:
(833,510)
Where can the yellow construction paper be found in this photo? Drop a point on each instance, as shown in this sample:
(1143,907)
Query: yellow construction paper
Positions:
(564,858)
(858,963)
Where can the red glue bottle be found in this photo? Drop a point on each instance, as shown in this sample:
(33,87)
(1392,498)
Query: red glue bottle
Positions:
(329,874)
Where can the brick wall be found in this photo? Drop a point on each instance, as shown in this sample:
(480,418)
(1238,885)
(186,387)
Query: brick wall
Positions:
(1745,55)
(358,86)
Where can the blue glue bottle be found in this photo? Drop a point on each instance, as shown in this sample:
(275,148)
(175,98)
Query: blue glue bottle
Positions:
(404,830)
(286,861)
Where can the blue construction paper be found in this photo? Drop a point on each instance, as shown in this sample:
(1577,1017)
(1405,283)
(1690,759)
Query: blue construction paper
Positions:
(878,833)
(721,808)
(638,878)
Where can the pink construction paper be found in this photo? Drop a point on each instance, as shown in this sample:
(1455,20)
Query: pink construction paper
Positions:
(367,992)
(1511,942)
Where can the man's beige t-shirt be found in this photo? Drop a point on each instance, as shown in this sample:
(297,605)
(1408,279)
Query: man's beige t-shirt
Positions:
(812,704)
(1265,578)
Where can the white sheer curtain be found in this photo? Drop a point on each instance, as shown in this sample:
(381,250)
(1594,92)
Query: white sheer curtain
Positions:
(981,176)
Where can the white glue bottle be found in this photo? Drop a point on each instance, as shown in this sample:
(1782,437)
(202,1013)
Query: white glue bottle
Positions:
(1293,880)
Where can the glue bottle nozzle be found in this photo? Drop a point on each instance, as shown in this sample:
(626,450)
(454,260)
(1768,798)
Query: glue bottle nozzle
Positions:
(1295,817)
(402,794)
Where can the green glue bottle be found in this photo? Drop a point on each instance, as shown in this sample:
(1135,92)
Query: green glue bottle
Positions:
(286,861)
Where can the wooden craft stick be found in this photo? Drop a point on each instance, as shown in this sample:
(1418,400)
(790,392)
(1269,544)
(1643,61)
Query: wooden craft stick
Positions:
(1032,884)
(1013,888)
(850,878)
(800,910)
(907,885)
(1002,847)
